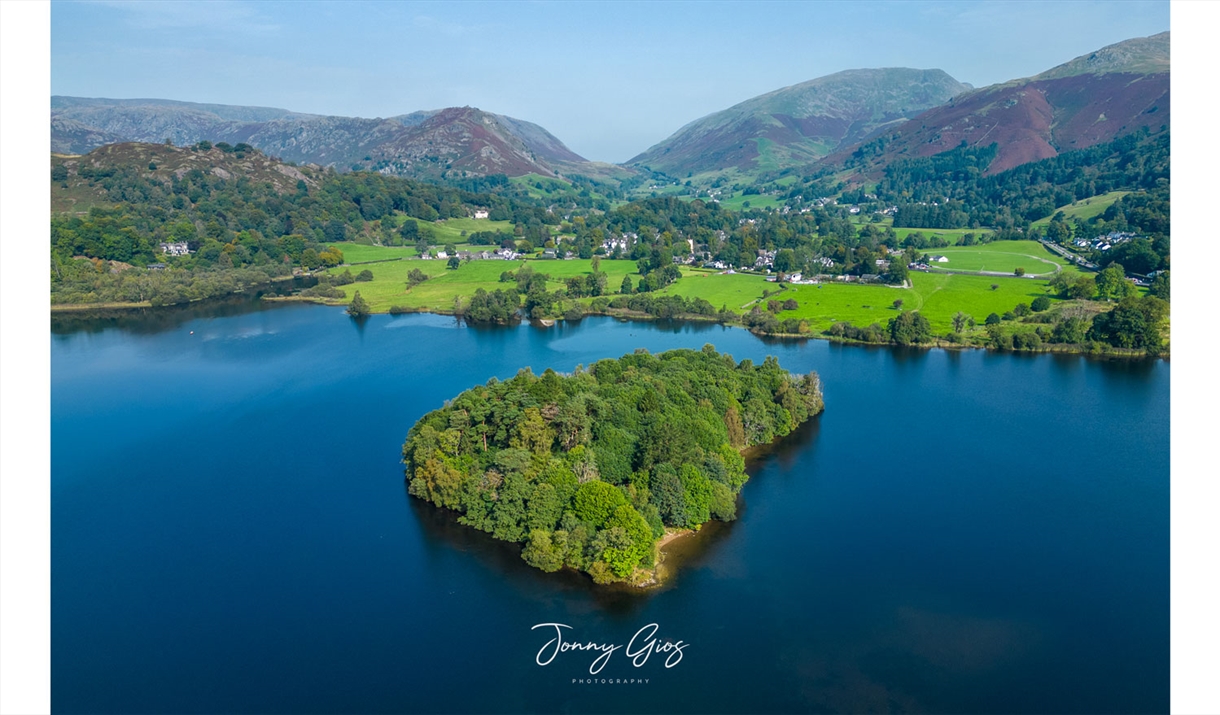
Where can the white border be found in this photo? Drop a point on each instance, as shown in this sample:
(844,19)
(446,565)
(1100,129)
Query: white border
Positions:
(25,361)
(25,358)
(1195,627)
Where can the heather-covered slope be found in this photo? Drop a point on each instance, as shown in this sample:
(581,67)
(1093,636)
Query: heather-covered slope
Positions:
(1092,99)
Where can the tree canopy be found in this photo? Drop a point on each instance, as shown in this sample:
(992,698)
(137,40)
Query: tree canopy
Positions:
(588,469)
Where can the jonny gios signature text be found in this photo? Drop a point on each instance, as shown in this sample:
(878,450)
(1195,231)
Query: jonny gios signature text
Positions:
(641,646)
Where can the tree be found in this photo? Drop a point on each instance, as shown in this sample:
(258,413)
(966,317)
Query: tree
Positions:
(625,287)
(909,328)
(358,308)
(785,260)
(995,286)
(595,501)
(1112,283)
(415,277)
(1082,287)
(959,321)
(1133,323)
(453,263)
(541,551)
(1019,272)
(898,304)
(1040,304)
(1160,286)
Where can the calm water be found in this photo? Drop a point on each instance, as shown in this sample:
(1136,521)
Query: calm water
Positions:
(957,533)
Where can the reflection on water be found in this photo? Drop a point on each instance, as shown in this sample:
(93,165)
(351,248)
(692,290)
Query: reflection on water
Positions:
(963,532)
(441,527)
(149,321)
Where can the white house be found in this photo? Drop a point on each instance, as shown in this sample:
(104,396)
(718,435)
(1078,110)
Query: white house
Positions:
(480,213)
(178,248)
(940,259)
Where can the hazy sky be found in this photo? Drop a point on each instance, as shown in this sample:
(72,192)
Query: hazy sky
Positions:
(609,79)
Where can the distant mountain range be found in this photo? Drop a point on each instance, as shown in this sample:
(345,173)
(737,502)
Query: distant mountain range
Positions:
(856,122)
(802,123)
(451,142)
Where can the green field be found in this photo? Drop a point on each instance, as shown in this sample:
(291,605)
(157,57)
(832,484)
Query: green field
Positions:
(361,253)
(450,230)
(1001,257)
(756,201)
(952,235)
(1084,209)
(736,290)
(389,285)
(936,297)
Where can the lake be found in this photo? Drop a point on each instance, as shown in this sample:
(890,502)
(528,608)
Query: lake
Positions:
(959,532)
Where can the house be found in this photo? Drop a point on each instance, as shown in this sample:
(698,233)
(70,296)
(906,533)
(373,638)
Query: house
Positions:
(177,248)
(442,255)
(549,253)
(480,213)
(940,259)
(156,266)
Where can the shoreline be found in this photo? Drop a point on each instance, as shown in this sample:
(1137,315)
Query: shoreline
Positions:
(630,315)
(660,574)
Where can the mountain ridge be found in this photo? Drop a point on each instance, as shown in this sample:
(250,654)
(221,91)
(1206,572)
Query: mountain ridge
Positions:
(456,141)
(1090,99)
(801,122)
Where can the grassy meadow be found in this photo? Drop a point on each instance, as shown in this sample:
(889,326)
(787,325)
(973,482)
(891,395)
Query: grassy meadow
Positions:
(936,295)
(1084,209)
(1000,256)
(389,285)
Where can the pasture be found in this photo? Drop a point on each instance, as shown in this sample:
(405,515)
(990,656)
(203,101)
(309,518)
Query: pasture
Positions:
(1084,209)
(1000,257)
(736,291)
(936,296)
(389,285)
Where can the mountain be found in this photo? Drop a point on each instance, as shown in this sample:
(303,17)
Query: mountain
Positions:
(802,123)
(1089,100)
(458,141)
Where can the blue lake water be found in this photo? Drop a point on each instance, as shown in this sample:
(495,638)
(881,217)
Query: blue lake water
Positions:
(958,532)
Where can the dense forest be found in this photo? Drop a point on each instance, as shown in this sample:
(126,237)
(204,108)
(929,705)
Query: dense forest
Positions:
(588,470)
(952,190)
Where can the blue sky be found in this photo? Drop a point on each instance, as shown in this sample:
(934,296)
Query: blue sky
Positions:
(609,79)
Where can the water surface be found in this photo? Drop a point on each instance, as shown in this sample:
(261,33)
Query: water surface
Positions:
(958,532)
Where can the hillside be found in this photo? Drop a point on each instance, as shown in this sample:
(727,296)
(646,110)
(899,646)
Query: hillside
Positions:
(799,124)
(1089,100)
(454,142)
(82,181)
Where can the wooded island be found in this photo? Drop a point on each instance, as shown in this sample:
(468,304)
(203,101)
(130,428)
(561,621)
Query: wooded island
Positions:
(589,469)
